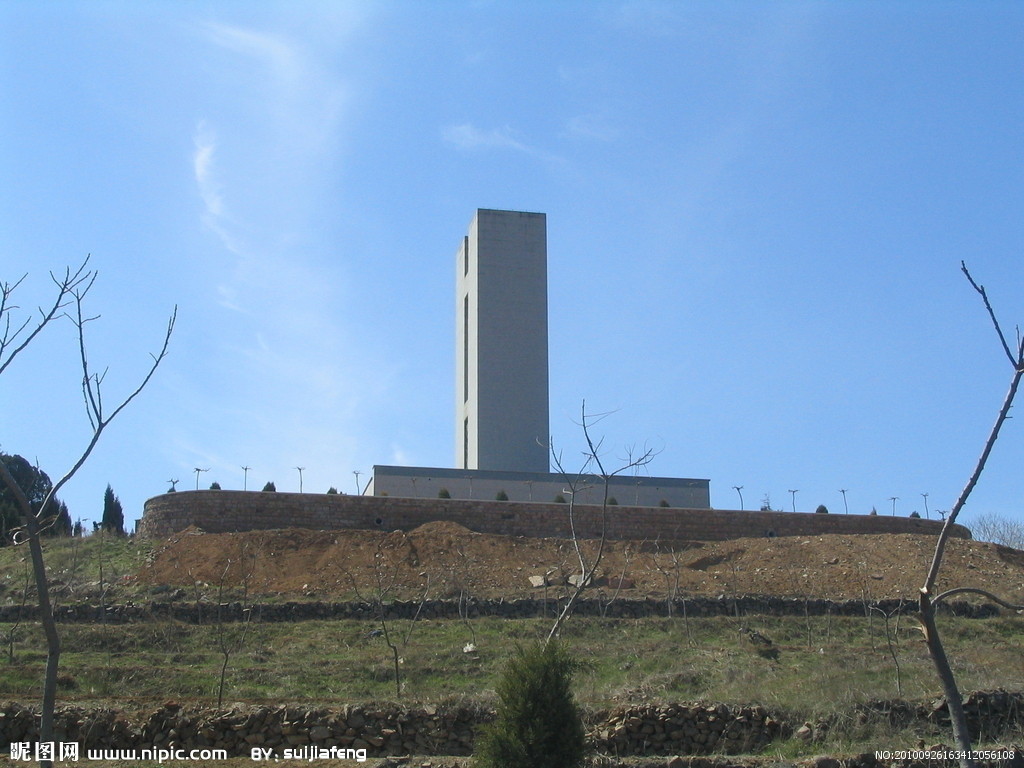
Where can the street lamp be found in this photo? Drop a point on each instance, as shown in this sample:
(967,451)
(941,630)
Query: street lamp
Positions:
(197,471)
(739,488)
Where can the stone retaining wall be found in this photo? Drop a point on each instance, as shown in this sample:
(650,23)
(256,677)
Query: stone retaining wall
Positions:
(520,608)
(231,511)
(393,729)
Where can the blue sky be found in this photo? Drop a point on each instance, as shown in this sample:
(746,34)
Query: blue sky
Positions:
(756,215)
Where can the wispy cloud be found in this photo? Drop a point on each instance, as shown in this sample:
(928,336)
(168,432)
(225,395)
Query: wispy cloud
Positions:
(259,172)
(202,164)
(591,126)
(271,48)
(653,19)
(264,163)
(300,96)
(468,138)
(214,215)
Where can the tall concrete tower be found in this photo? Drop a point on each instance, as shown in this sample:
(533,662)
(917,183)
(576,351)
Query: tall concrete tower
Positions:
(501,343)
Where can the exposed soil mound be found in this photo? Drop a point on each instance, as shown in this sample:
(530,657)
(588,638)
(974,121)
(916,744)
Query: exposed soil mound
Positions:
(444,560)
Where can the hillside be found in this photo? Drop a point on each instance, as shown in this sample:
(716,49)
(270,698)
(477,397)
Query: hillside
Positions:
(860,668)
(335,564)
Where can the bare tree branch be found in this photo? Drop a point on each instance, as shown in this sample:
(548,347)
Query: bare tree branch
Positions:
(1004,414)
(67,285)
(975,591)
(991,313)
(927,601)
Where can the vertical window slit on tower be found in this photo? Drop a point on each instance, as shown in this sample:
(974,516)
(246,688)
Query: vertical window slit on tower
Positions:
(465,348)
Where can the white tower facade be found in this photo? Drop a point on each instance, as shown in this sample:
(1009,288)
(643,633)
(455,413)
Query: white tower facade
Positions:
(501,343)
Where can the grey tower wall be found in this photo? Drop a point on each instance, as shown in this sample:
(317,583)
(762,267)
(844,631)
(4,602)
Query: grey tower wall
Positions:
(501,343)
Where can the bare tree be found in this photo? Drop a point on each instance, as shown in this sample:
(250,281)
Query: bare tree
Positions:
(999,530)
(605,604)
(385,573)
(892,640)
(232,640)
(71,291)
(464,598)
(927,600)
(575,484)
(13,630)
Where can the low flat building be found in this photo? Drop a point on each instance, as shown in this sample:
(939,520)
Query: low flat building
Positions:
(542,487)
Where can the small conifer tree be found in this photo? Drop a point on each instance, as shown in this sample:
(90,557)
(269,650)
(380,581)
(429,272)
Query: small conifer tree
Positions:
(443,494)
(501,496)
(270,487)
(538,724)
(113,514)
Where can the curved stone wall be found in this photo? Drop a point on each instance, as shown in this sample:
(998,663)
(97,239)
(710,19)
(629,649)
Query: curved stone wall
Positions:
(230,511)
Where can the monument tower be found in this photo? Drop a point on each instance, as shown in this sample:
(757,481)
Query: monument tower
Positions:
(501,384)
(501,343)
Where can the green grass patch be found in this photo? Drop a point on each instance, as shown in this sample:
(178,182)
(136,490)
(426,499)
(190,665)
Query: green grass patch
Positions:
(79,569)
(828,664)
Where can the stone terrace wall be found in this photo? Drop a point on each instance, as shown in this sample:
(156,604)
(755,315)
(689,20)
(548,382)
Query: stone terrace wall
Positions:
(384,729)
(231,511)
(473,608)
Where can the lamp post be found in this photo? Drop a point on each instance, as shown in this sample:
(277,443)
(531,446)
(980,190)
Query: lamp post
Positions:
(197,471)
(738,489)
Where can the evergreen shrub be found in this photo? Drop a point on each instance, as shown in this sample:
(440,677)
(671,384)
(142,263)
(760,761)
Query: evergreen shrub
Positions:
(538,724)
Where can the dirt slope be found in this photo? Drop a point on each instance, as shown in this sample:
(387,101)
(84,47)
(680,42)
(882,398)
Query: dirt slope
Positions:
(445,558)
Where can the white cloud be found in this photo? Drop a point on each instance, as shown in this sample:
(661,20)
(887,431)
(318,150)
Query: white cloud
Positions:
(263,161)
(469,137)
(399,456)
(591,126)
(279,113)
(273,49)
(203,166)
(202,163)
(302,99)
(654,19)
(214,213)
